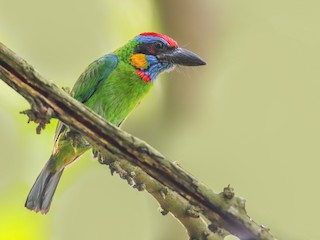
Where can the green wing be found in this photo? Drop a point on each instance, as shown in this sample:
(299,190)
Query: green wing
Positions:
(93,76)
(89,81)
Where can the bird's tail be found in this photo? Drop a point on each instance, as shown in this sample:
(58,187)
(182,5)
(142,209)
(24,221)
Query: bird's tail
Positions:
(42,191)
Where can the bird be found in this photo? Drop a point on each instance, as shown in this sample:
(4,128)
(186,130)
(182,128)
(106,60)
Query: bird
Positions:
(112,86)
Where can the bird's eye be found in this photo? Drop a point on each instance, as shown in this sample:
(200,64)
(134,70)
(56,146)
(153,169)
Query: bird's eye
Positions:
(159,45)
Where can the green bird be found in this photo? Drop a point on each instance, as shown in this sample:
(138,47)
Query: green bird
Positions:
(111,86)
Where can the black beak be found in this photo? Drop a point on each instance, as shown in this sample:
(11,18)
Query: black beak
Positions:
(181,56)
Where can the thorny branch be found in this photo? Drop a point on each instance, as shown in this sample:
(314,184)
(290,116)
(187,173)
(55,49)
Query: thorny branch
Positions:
(205,214)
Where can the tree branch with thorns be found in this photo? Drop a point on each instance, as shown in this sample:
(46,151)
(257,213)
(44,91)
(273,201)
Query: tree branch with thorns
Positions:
(203,213)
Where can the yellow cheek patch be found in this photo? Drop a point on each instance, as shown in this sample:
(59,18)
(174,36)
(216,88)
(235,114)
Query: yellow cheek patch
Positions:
(139,60)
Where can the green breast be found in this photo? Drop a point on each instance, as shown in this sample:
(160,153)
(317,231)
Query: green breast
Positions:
(119,94)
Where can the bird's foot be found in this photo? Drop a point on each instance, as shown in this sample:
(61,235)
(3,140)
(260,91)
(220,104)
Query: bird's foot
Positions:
(77,140)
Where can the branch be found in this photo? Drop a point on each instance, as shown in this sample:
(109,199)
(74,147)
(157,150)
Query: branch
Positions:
(223,210)
(170,201)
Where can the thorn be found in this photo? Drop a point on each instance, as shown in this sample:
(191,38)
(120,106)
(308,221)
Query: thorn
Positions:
(105,160)
(213,227)
(130,181)
(144,149)
(193,212)
(264,228)
(132,174)
(140,187)
(67,90)
(95,153)
(164,192)
(176,163)
(228,192)
(114,168)
(122,173)
(164,212)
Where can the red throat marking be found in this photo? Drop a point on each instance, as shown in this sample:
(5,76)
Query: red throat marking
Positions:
(169,40)
(145,77)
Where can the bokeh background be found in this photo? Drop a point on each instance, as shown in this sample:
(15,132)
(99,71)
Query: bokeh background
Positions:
(250,118)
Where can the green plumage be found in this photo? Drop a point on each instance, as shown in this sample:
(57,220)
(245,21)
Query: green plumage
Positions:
(119,94)
(109,86)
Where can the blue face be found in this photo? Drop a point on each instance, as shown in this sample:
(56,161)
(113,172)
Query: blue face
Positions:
(153,46)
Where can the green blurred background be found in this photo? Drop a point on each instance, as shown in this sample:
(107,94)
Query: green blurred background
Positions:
(250,118)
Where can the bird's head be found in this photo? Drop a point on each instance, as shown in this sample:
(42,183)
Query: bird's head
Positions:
(152,53)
